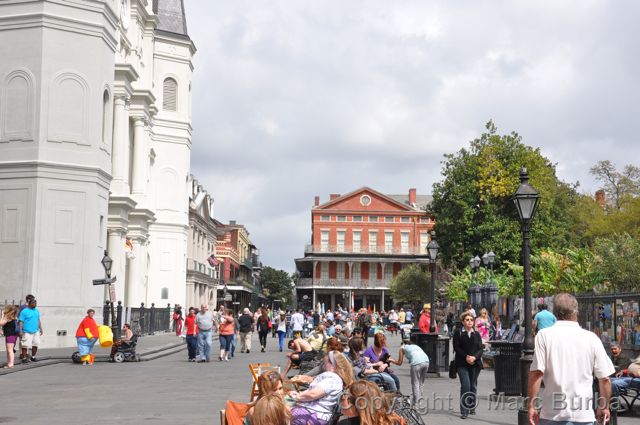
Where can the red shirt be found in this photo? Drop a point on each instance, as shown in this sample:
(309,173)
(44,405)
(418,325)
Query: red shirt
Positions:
(87,322)
(425,323)
(190,325)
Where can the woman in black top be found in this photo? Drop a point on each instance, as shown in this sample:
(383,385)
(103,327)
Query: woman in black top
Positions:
(10,330)
(467,345)
(263,327)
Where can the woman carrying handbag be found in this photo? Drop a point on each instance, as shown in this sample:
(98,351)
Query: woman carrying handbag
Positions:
(468,348)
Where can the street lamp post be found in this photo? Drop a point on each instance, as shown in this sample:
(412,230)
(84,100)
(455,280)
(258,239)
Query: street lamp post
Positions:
(107,262)
(475,291)
(526,200)
(432,250)
(492,290)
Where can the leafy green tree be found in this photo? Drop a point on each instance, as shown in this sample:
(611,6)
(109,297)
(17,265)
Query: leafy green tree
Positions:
(575,270)
(473,203)
(276,284)
(618,257)
(411,285)
(619,186)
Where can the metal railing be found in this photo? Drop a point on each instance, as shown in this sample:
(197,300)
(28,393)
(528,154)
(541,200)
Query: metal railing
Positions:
(143,320)
(344,283)
(364,249)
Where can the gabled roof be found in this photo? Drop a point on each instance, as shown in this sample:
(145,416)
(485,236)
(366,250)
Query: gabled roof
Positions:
(422,201)
(171,16)
(363,190)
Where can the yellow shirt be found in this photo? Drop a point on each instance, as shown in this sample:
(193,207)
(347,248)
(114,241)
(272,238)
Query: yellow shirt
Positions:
(402,317)
(317,341)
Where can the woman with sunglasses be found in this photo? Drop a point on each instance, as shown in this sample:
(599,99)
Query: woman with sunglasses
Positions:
(468,348)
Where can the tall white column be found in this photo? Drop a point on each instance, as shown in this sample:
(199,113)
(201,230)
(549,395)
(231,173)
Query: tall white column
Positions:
(115,247)
(139,169)
(382,301)
(135,277)
(120,149)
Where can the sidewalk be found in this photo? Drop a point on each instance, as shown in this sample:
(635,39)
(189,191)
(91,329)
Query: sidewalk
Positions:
(147,345)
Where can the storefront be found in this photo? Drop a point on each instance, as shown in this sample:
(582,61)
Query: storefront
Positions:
(613,317)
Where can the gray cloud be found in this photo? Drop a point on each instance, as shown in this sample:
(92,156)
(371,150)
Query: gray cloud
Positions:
(294,99)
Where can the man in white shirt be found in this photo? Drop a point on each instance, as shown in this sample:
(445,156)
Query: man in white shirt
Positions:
(567,357)
(297,322)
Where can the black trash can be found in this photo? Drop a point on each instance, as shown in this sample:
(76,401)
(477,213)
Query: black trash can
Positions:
(506,367)
(435,346)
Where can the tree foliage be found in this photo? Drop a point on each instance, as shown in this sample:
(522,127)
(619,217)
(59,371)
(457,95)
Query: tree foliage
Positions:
(618,256)
(276,284)
(473,203)
(574,270)
(619,186)
(411,285)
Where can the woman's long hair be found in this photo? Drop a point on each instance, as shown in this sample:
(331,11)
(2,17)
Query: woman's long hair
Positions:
(268,383)
(371,404)
(355,347)
(343,368)
(10,312)
(270,410)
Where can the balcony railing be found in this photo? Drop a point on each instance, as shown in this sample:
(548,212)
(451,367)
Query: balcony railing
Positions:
(193,265)
(344,283)
(363,249)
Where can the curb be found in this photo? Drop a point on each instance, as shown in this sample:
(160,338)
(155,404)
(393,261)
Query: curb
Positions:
(148,355)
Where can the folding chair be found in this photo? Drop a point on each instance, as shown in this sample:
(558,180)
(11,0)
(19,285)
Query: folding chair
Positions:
(234,413)
(255,369)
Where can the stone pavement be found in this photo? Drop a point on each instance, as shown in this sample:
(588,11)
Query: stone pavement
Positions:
(172,391)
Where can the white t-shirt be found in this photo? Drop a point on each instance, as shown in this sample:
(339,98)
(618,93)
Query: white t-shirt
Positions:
(331,383)
(569,357)
(297,321)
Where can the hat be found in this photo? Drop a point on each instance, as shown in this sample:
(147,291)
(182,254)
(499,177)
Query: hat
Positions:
(338,328)
(427,306)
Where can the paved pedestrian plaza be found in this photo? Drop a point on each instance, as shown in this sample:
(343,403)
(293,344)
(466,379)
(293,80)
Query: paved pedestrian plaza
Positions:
(169,390)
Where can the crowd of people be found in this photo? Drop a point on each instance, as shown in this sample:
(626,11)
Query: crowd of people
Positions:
(21,324)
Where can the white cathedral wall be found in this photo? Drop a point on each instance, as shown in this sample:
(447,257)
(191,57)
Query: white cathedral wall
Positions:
(171,141)
(54,159)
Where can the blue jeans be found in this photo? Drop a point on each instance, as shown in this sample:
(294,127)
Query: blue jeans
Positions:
(192,343)
(281,338)
(468,388)
(623,383)
(388,379)
(233,343)
(225,342)
(204,344)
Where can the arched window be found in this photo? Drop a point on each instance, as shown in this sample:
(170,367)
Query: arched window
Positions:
(105,117)
(169,94)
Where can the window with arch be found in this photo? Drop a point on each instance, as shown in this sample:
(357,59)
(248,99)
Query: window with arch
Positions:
(169,94)
(105,117)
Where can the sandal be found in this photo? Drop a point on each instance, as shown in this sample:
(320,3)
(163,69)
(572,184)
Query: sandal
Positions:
(7,367)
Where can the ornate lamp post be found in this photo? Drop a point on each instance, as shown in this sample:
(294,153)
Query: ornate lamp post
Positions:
(526,200)
(107,262)
(432,250)
(475,290)
(492,290)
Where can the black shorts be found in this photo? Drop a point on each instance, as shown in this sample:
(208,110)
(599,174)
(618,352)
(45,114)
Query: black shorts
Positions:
(308,355)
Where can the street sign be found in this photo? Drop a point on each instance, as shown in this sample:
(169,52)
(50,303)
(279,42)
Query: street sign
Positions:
(112,293)
(236,303)
(104,281)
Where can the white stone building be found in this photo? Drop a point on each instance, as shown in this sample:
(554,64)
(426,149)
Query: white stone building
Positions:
(95,141)
(202,275)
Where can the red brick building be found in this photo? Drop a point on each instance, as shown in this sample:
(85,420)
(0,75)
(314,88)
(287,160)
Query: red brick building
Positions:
(359,242)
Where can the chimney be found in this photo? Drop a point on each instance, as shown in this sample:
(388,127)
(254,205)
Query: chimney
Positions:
(600,198)
(334,196)
(412,196)
(232,222)
(316,201)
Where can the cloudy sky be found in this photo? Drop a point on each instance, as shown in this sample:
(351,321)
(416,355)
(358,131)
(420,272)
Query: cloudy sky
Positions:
(294,99)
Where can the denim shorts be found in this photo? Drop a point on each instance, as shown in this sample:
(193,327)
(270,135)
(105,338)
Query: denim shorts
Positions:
(225,342)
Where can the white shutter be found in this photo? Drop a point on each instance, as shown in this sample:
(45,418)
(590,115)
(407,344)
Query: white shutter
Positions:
(169,94)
